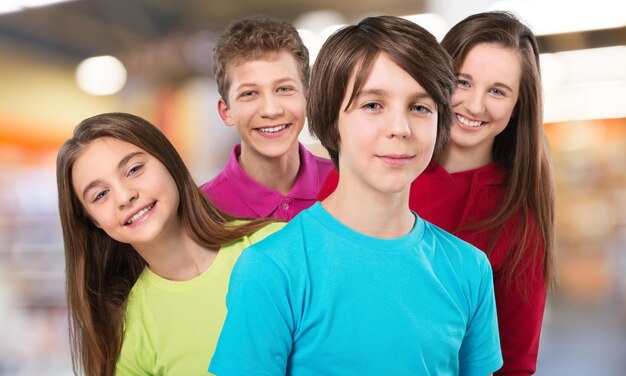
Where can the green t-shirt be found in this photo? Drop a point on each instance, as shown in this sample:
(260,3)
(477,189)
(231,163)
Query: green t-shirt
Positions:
(172,327)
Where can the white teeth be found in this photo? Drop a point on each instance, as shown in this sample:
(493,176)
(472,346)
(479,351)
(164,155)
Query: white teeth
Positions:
(139,214)
(273,129)
(468,122)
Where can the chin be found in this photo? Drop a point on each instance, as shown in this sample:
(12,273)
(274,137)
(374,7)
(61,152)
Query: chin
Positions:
(393,188)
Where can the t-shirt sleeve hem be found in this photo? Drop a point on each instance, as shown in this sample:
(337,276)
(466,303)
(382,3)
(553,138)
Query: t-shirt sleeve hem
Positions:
(220,369)
(483,367)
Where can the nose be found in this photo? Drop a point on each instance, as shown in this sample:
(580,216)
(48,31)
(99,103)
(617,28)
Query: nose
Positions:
(399,125)
(271,106)
(474,102)
(126,196)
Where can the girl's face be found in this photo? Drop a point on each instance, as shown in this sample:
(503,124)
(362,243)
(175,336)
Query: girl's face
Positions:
(487,89)
(388,134)
(127,192)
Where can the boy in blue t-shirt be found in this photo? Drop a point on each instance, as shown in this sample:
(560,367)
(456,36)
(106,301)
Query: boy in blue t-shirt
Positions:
(359,284)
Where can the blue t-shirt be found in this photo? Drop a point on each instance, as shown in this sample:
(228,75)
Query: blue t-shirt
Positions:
(318,298)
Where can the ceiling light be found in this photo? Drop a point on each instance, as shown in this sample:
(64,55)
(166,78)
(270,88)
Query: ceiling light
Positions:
(11,6)
(101,75)
(37,3)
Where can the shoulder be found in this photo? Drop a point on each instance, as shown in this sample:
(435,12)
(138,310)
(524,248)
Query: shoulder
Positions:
(219,182)
(137,292)
(264,232)
(324,165)
(279,234)
(284,245)
(253,237)
(433,179)
(462,255)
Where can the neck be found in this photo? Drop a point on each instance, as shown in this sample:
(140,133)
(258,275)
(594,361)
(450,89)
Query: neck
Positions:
(276,173)
(457,159)
(177,258)
(376,214)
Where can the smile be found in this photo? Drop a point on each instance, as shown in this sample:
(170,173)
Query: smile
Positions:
(140,214)
(467,122)
(275,129)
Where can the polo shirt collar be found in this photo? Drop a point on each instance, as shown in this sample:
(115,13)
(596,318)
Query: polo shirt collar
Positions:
(264,201)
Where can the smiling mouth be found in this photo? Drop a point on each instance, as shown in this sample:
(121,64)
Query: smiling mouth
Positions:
(140,214)
(274,129)
(469,123)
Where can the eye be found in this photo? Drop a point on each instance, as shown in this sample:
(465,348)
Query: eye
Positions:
(372,106)
(421,108)
(135,170)
(462,83)
(285,89)
(100,195)
(247,94)
(497,92)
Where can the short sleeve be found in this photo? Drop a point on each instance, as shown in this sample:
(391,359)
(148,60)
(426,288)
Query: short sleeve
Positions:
(257,335)
(480,350)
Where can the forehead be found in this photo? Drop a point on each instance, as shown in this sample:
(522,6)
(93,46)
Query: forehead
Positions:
(383,73)
(257,66)
(494,62)
(98,158)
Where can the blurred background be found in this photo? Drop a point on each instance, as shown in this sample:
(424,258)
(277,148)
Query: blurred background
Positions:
(64,60)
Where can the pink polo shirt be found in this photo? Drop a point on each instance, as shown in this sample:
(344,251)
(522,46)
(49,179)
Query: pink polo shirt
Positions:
(234,192)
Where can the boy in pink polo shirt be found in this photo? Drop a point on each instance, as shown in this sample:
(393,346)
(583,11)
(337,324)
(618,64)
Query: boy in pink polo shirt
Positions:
(262,71)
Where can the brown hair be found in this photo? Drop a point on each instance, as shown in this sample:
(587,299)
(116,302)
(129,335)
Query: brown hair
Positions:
(100,270)
(521,149)
(354,49)
(253,39)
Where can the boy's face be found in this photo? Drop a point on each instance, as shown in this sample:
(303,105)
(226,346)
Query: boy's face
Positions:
(388,133)
(266,104)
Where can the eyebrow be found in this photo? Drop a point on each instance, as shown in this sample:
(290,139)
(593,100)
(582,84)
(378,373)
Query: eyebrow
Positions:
(418,95)
(120,165)
(496,84)
(254,84)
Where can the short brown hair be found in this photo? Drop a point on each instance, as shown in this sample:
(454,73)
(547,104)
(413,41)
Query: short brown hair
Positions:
(253,38)
(354,49)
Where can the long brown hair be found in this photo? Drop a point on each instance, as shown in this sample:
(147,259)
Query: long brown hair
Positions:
(100,270)
(522,148)
(353,49)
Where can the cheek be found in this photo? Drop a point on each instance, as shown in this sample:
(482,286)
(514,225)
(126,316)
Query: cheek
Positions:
(503,112)
(432,138)
(427,132)
(242,111)
(457,98)
(92,217)
(296,105)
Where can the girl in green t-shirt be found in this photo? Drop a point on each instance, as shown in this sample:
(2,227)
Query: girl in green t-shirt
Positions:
(128,204)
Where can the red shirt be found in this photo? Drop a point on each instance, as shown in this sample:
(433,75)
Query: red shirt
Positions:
(451,200)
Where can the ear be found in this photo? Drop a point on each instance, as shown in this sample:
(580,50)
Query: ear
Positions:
(224,111)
